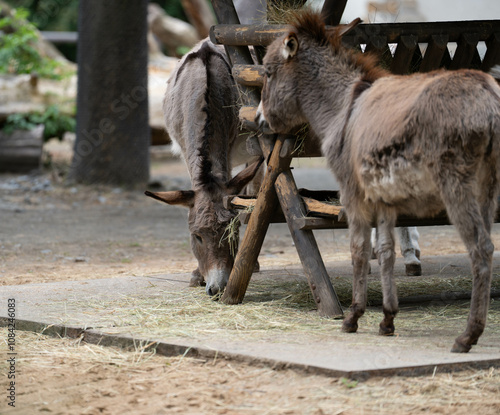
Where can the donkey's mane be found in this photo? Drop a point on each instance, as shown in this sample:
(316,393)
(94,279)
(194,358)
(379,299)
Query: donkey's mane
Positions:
(311,24)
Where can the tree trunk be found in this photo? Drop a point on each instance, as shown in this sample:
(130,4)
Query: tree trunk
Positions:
(113,135)
(199,15)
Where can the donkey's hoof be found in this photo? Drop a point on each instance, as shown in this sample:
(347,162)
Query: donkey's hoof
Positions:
(413,270)
(348,327)
(460,347)
(386,330)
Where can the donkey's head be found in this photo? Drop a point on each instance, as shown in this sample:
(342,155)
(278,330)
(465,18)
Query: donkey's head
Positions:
(295,63)
(209,222)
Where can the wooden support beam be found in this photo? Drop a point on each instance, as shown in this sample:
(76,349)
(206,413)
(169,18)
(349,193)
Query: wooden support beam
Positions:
(256,230)
(225,12)
(332,11)
(403,55)
(321,287)
(466,46)
(263,35)
(434,53)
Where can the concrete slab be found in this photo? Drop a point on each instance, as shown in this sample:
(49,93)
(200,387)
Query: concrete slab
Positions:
(105,311)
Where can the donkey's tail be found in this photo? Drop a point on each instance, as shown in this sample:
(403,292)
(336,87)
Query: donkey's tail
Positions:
(495,72)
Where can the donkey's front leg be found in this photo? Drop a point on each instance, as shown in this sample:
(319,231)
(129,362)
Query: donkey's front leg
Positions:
(386,219)
(360,252)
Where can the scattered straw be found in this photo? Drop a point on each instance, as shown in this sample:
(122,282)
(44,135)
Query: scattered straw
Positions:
(273,309)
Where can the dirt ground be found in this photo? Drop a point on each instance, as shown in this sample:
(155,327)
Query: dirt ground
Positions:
(52,232)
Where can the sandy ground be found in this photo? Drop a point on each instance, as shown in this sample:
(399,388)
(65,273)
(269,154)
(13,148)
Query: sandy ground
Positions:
(52,232)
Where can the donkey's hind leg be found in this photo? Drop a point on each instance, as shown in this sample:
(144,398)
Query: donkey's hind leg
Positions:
(386,219)
(465,212)
(360,252)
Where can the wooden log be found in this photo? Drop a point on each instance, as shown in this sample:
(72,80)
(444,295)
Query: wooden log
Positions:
(263,35)
(319,282)
(466,46)
(434,53)
(171,32)
(403,55)
(21,151)
(492,56)
(199,15)
(250,75)
(256,230)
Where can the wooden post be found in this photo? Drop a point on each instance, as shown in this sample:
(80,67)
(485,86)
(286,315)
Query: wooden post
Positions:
(333,10)
(322,290)
(200,15)
(256,230)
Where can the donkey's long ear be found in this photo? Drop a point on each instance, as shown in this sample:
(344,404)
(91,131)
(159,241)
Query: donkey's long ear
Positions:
(290,46)
(238,182)
(343,29)
(177,197)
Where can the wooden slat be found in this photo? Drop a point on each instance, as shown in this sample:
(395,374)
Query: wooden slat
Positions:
(492,56)
(404,53)
(377,45)
(416,60)
(313,207)
(446,61)
(263,35)
(466,46)
(434,53)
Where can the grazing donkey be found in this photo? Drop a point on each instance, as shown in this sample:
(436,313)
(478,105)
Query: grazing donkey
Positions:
(201,116)
(414,144)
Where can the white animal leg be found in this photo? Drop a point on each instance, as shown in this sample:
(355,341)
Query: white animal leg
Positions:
(410,250)
(408,240)
(386,219)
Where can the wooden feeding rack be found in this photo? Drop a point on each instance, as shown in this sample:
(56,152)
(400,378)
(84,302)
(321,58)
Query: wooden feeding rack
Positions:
(402,48)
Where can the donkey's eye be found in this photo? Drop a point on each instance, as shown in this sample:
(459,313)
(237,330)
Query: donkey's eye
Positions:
(198,239)
(268,73)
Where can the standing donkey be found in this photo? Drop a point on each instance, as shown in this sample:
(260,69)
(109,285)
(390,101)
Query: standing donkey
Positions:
(413,144)
(201,116)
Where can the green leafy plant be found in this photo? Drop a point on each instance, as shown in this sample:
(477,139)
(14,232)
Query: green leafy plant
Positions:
(18,53)
(56,123)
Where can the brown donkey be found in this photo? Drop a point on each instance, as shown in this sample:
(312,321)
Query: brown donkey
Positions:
(412,145)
